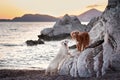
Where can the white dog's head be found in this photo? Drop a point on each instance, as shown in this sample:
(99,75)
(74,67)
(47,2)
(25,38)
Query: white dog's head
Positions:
(65,43)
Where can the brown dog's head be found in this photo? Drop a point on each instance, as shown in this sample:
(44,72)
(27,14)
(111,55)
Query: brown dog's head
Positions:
(74,34)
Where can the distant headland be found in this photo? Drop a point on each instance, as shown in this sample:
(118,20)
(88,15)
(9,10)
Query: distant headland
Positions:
(31,18)
(85,17)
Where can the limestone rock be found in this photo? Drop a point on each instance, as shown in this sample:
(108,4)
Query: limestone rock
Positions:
(83,65)
(93,22)
(62,28)
(111,46)
(100,55)
(89,62)
(65,68)
(73,70)
(98,63)
(46,31)
(97,32)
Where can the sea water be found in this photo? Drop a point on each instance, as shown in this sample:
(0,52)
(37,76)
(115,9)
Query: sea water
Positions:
(15,54)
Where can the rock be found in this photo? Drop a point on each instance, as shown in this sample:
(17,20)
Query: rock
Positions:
(35,42)
(88,64)
(103,53)
(92,22)
(73,70)
(55,37)
(111,45)
(82,65)
(40,41)
(95,44)
(98,62)
(97,32)
(72,47)
(65,69)
(31,42)
(62,28)
(46,31)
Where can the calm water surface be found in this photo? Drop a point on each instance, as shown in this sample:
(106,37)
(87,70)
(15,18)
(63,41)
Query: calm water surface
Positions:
(15,54)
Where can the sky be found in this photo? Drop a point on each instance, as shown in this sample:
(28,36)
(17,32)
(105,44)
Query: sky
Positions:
(16,8)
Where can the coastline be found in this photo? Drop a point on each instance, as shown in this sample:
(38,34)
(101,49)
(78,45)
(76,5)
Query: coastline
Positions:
(24,74)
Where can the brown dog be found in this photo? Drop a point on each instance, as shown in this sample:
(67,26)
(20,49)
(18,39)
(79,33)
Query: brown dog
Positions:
(82,39)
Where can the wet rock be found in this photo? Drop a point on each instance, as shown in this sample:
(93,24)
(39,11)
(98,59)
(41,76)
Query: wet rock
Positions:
(72,47)
(34,42)
(55,37)
(40,41)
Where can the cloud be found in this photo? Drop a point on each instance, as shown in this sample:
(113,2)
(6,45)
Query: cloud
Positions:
(93,6)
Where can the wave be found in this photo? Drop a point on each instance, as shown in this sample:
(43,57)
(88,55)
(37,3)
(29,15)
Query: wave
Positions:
(10,45)
(13,29)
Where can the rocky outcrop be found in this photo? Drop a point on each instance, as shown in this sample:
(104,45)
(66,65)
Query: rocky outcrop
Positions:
(62,28)
(83,65)
(103,53)
(34,42)
(98,29)
(111,46)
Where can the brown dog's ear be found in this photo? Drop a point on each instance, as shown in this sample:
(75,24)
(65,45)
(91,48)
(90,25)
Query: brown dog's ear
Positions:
(71,34)
(77,36)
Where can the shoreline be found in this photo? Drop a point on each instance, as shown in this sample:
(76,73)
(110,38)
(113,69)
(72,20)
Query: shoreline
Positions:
(24,74)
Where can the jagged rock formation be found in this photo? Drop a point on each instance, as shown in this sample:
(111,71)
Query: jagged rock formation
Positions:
(62,28)
(103,53)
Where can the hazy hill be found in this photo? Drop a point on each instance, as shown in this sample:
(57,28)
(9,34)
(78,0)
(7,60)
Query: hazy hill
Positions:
(31,18)
(88,15)
(35,17)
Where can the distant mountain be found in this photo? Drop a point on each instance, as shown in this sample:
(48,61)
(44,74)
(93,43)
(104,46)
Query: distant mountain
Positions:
(88,15)
(32,18)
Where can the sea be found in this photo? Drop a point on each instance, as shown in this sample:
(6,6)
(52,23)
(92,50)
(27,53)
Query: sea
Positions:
(15,54)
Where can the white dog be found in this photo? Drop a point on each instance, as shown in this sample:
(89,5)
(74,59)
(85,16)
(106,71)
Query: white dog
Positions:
(58,60)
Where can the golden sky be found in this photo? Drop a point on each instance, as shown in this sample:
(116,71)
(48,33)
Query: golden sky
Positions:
(15,8)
